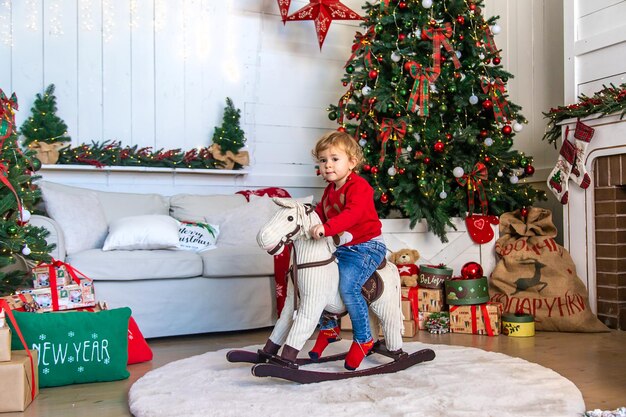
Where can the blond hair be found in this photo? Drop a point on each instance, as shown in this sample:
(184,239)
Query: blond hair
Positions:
(343,141)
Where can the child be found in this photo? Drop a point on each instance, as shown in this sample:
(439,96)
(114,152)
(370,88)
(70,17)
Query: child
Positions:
(347,212)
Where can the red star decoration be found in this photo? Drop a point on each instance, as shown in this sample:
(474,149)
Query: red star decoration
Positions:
(283,6)
(323,12)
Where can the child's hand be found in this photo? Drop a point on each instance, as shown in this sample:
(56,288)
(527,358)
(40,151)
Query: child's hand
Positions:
(317,231)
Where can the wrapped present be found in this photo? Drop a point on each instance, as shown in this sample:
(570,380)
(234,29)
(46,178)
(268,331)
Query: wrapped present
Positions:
(429,300)
(410,294)
(18,381)
(467,291)
(476,319)
(518,325)
(65,297)
(407,312)
(5,344)
(409,328)
(433,276)
(42,273)
(21,302)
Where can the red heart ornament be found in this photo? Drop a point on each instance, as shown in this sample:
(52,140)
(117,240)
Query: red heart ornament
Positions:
(479,227)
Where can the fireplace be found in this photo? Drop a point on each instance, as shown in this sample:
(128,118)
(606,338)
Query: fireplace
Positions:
(594,220)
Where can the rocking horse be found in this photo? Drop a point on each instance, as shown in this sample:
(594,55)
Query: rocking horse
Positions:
(313,291)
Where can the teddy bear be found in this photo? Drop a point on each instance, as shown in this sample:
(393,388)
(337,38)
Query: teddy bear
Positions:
(405,260)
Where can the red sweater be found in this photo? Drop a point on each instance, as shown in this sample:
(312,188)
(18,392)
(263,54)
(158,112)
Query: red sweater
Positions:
(350,209)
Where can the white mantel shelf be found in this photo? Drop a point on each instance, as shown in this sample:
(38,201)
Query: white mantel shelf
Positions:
(164,170)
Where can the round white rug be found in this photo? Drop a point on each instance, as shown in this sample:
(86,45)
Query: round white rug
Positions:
(458,382)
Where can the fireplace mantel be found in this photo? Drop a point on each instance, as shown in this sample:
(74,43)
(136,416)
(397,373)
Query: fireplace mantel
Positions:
(578,214)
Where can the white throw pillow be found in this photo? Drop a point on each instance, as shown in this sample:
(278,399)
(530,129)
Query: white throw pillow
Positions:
(150,231)
(78,213)
(197,236)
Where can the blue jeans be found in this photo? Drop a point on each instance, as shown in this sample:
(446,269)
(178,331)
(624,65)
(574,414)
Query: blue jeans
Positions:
(356,264)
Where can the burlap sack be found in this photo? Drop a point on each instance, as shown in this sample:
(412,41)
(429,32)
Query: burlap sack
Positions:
(536,275)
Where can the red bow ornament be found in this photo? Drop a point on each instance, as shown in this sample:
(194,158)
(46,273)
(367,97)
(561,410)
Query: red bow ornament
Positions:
(394,129)
(7,115)
(418,100)
(363,42)
(496,90)
(474,183)
(440,37)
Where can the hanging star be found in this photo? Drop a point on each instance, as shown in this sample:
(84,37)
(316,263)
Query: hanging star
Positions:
(283,6)
(323,12)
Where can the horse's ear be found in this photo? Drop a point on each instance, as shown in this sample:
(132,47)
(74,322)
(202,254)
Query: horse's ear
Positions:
(284,202)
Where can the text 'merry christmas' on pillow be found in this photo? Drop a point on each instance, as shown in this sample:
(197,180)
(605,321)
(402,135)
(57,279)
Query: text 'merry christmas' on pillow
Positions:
(149,231)
(77,347)
(197,236)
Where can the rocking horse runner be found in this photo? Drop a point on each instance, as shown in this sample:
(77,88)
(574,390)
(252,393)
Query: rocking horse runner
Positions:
(315,283)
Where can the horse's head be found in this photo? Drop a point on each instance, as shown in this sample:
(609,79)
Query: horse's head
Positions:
(292,221)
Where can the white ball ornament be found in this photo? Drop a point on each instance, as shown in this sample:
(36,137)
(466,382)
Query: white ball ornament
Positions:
(518,127)
(409,148)
(391,171)
(443,195)
(26,250)
(366,90)
(488,141)
(500,174)
(362,142)
(25,215)
(458,54)
(458,172)
(481,56)
(395,56)
(495,29)
(514,179)
(473,99)
(427,4)
(417,136)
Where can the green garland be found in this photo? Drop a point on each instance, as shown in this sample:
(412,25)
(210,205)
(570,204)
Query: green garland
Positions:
(606,101)
(111,153)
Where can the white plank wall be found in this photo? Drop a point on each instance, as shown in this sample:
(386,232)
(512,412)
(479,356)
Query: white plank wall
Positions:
(156,73)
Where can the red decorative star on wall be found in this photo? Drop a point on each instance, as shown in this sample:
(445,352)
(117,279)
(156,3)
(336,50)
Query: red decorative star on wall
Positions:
(323,12)
(283,6)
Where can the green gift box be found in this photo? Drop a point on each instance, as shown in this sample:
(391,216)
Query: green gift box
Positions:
(467,291)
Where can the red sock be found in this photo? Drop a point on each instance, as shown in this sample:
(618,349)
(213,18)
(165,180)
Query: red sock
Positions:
(357,352)
(324,337)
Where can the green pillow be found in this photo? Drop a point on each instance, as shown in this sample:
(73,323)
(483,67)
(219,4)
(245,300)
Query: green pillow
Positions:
(76,347)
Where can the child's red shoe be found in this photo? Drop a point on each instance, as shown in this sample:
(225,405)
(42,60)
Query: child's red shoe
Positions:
(357,352)
(324,337)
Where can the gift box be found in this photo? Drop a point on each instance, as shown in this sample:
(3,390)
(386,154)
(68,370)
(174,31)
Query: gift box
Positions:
(65,297)
(476,319)
(467,291)
(410,294)
(407,312)
(518,325)
(43,272)
(410,328)
(18,381)
(5,344)
(429,300)
(433,276)
(21,302)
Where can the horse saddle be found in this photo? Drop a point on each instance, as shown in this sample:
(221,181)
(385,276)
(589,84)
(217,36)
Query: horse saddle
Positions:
(374,286)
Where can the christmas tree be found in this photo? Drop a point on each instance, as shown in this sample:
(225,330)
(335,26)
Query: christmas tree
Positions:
(229,136)
(21,245)
(427,101)
(44,125)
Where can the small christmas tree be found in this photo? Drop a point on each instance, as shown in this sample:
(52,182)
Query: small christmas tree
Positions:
(21,245)
(44,125)
(427,101)
(229,136)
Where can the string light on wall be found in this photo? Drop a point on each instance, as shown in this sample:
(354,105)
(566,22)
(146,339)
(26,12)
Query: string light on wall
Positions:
(86,17)
(56,27)
(32,15)
(6,27)
(108,20)
(134,17)
(160,13)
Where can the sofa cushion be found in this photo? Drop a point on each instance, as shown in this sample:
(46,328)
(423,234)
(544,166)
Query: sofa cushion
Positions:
(78,213)
(139,264)
(195,208)
(227,261)
(118,205)
(148,231)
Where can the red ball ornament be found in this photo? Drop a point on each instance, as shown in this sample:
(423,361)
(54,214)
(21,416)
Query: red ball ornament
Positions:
(401,37)
(345,83)
(472,6)
(487,159)
(380,58)
(439,147)
(341,129)
(384,198)
(317,172)
(472,270)
(418,154)
(366,168)
(448,136)
(496,61)
(487,104)
(460,20)
(372,100)
(523,212)
(401,171)
(373,74)
(461,37)
(484,133)
(408,65)
(374,170)
(402,5)
(507,130)
(427,160)
(529,170)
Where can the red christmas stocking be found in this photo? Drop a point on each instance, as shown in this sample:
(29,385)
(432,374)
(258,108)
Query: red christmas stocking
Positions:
(583,135)
(558,178)
(479,227)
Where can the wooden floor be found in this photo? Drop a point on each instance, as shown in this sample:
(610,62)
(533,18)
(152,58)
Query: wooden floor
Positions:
(596,363)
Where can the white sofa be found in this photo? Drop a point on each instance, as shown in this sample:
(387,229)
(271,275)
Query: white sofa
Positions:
(170,292)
